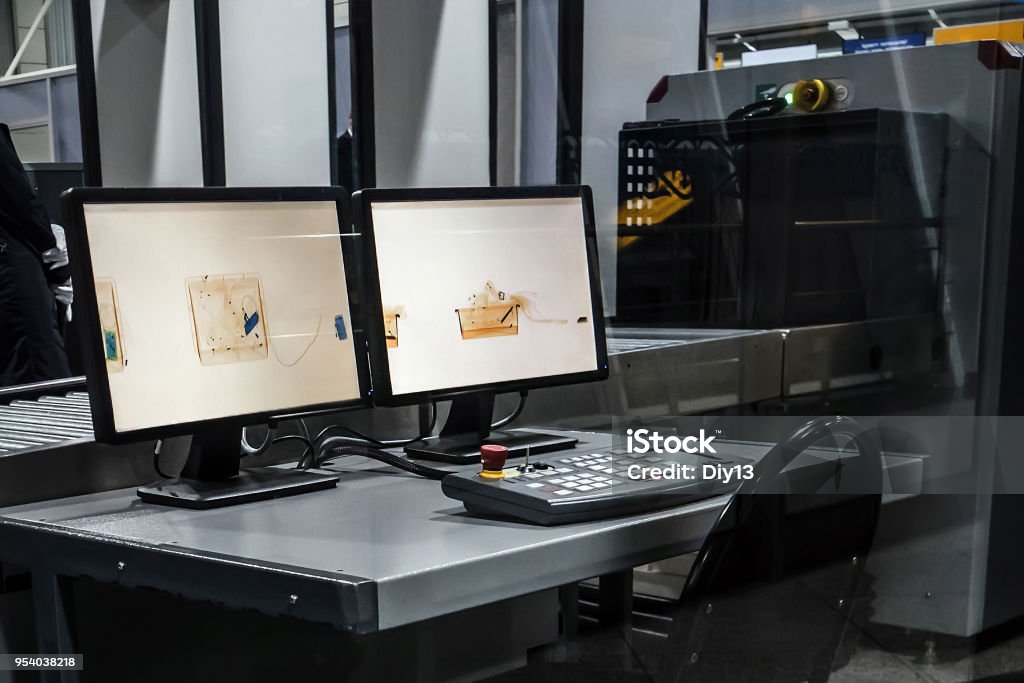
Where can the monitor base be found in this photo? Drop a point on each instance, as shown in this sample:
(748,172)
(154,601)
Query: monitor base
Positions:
(465,449)
(249,485)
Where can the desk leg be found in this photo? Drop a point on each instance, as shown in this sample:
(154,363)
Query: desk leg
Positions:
(569,604)
(51,595)
(616,595)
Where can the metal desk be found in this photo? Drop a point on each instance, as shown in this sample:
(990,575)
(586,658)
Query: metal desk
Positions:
(381,550)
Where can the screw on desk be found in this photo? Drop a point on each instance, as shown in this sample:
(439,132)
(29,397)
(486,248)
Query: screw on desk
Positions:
(292,599)
(121,566)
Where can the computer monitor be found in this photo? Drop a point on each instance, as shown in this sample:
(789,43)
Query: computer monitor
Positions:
(477,291)
(205,310)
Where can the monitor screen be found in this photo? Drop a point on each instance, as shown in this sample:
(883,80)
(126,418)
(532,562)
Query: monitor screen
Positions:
(484,292)
(217,309)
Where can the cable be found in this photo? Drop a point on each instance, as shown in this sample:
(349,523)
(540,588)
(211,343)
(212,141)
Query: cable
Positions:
(515,413)
(338,442)
(156,459)
(760,109)
(375,442)
(316,335)
(393,460)
(248,449)
(309,450)
(304,429)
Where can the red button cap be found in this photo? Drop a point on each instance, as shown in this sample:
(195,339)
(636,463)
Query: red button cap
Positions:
(493,457)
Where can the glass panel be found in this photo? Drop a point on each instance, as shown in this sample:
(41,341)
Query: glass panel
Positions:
(32,143)
(23,102)
(67,130)
(626,49)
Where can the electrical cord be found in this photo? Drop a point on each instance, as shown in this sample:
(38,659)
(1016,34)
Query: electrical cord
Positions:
(156,459)
(378,443)
(310,453)
(760,109)
(297,437)
(304,429)
(515,413)
(337,442)
(391,459)
(248,449)
(356,439)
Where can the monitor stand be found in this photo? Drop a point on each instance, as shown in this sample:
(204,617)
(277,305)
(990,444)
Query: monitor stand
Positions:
(469,426)
(211,477)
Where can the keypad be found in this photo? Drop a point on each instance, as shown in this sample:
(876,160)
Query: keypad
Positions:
(585,473)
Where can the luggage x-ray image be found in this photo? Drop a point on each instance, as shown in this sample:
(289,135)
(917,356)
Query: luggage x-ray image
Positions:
(242,309)
(502,286)
(392,314)
(228,318)
(494,313)
(110,325)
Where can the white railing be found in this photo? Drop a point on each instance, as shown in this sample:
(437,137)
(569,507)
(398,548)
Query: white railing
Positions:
(28,39)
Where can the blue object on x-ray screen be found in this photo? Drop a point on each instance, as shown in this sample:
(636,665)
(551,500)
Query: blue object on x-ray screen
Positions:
(110,344)
(339,327)
(251,321)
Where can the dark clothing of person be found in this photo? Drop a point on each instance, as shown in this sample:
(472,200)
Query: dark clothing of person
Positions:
(31,345)
(21,213)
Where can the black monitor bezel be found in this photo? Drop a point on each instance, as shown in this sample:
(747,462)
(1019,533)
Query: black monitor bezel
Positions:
(380,367)
(93,359)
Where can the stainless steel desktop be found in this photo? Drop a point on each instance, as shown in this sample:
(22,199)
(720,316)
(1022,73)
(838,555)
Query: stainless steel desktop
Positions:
(381,550)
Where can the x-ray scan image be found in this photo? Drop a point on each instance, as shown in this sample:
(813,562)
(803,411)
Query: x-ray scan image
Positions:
(110,325)
(228,318)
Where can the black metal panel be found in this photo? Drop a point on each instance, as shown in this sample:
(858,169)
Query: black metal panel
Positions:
(568,164)
(360,15)
(344,601)
(87,107)
(211,95)
(778,222)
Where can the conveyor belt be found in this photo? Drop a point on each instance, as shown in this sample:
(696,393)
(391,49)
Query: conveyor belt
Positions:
(48,421)
(617,345)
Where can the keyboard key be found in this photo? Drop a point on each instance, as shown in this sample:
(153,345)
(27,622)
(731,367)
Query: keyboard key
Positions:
(586,488)
(562,492)
(535,485)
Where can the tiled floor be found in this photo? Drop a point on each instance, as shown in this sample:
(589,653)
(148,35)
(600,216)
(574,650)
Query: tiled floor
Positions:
(880,654)
(883,654)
